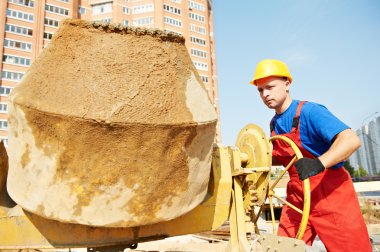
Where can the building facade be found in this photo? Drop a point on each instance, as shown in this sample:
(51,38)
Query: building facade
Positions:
(27,26)
(368,155)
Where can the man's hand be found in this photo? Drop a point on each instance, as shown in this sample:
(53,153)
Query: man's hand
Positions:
(307,167)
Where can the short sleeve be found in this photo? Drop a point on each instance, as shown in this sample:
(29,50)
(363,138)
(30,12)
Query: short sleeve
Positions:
(323,124)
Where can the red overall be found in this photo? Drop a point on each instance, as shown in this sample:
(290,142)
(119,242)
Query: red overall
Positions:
(334,211)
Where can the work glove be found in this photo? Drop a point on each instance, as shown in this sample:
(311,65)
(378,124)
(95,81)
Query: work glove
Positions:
(307,167)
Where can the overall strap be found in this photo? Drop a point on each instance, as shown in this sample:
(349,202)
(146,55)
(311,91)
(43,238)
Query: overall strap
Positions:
(296,118)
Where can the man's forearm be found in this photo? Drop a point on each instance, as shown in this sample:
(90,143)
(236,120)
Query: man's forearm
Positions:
(346,142)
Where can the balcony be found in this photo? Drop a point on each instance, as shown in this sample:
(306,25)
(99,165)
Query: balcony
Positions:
(94,2)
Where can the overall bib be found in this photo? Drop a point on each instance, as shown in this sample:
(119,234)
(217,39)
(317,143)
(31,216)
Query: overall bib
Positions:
(334,211)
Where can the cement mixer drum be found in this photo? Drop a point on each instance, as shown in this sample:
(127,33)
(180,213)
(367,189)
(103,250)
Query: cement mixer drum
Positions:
(111,126)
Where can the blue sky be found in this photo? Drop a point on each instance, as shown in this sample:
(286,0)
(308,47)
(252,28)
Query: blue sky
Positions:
(332,49)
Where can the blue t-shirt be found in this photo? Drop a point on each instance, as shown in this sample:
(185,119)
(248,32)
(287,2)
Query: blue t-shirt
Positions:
(318,126)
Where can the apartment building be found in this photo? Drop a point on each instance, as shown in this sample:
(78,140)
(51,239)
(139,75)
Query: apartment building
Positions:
(27,26)
(368,155)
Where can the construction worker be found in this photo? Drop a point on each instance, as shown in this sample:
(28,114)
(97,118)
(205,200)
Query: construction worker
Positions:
(325,143)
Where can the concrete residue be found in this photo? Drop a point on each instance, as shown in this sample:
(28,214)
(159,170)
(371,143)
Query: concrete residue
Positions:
(94,66)
(118,132)
(197,98)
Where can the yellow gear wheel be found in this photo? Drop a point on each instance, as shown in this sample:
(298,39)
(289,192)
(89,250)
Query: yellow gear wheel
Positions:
(256,153)
(306,189)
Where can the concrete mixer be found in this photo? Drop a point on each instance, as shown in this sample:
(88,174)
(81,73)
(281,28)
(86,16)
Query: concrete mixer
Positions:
(111,143)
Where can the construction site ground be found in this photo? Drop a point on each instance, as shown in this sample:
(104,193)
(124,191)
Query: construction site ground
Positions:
(209,242)
(217,240)
(203,243)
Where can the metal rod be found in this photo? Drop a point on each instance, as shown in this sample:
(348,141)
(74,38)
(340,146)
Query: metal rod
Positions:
(272,214)
(283,172)
(258,213)
(288,203)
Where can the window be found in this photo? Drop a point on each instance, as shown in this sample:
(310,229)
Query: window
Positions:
(65,1)
(56,10)
(28,3)
(142,8)
(199,53)
(143,21)
(200,65)
(104,20)
(5,91)
(12,76)
(3,124)
(101,8)
(17,45)
(20,15)
(198,41)
(10,59)
(82,10)
(198,29)
(19,30)
(48,35)
(3,108)
(196,6)
(176,1)
(172,9)
(51,22)
(197,17)
(172,21)
(126,22)
(126,10)
(204,78)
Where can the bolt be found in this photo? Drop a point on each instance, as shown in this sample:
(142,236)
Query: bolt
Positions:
(296,243)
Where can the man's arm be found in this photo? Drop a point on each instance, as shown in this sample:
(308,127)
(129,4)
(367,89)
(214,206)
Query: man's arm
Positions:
(345,143)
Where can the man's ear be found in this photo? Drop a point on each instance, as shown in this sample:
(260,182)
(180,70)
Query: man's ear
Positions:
(287,85)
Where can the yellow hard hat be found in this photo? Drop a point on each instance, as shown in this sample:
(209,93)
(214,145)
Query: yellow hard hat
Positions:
(271,67)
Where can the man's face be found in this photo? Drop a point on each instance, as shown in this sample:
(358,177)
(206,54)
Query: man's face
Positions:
(273,91)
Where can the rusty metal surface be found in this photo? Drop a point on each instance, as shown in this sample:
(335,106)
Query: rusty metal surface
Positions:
(125,138)
(20,229)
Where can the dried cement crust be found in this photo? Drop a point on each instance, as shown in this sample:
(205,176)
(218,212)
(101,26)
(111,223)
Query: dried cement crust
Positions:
(111,126)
